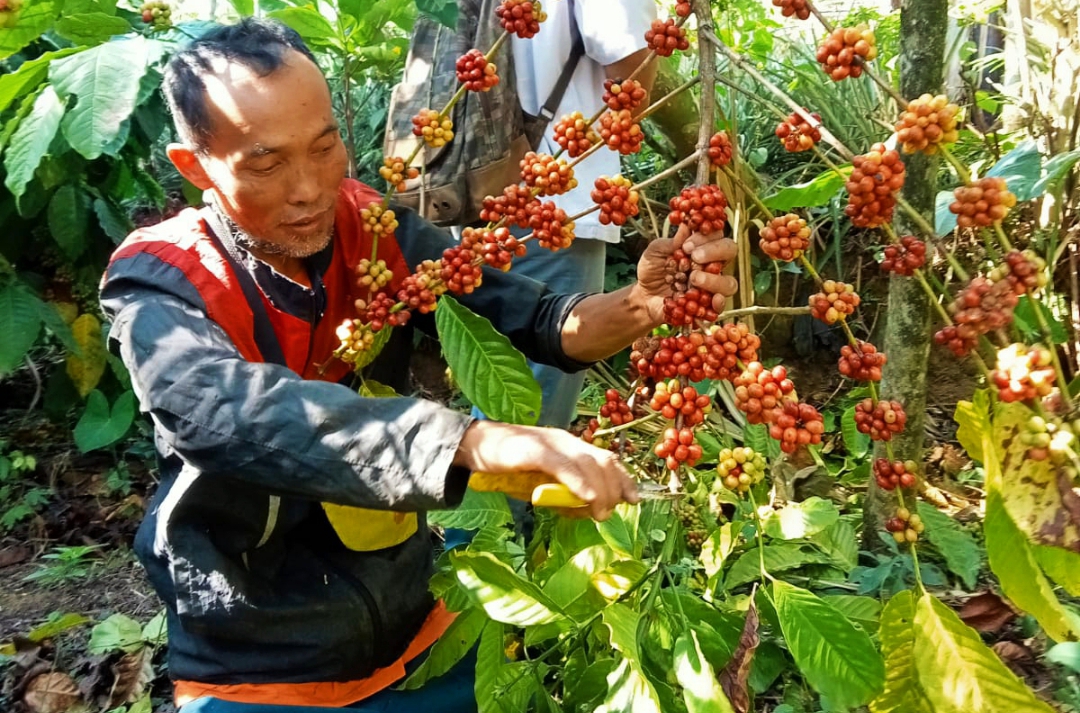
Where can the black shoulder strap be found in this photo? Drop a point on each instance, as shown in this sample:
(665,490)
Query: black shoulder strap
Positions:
(577,50)
(265,338)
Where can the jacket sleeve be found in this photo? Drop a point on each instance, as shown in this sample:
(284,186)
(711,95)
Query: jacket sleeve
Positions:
(525,310)
(261,423)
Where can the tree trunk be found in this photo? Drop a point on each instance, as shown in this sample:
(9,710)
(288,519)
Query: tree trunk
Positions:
(678,119)
(923,28)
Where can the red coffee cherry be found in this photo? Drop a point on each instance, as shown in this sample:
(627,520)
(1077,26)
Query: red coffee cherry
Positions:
(551,176)
(395,172)
(796,424)
(1024,271)
(495,247)
(875,178)
(889,476)
(797,134)
(1023,373)
(906,257)
(623,94)
(476,72)
(759,392)
(927,123)
(550,227)
(846,50)
(620,132)
(664,37)
(880,421)
(981,307)
(785,238)
(573,133)
(671,399)
(703,208)
(514,206)
(520,17)
(459,273)
(798,8)
(862,364)
(836,301)
(720,149)
(420,290)
(982,203)
(617,200)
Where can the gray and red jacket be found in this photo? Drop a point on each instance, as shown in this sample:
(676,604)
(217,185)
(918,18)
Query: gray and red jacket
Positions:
(257,584)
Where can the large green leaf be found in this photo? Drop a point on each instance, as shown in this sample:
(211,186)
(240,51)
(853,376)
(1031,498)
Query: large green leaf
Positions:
(476,511)
(308,23)
(445,11)
(1021,169)
(903,691)
(69,218)
(701,690)
(1057,168)
(838,659)
(491,373)
(801,519)
(863,611)
(816,192)
(35,18)
(856,443)
(28,76)
(1028,322)
(105,83)
(629,691)
(958,672)
(449,649)
(973,419)
(778,558)
(953,543)
(90,28)
(1061,566)
(20,323)
(116,632)
(117,225)
(1022,581)
(31,141)
(500,687)
(621,529)
(944,219)
(504,595)
(99,426)
(840,543)
(574,578)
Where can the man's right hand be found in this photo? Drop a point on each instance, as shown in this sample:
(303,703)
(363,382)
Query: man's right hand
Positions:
(593,474)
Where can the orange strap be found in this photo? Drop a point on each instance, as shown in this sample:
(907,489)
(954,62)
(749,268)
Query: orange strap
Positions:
(329,694)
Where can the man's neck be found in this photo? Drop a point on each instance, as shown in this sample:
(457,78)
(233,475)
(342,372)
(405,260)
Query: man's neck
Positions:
(293,268)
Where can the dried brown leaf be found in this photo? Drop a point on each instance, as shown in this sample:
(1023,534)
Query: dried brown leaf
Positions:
(734,677)
(131,675)
(51,693)
(14,555)
(986,612)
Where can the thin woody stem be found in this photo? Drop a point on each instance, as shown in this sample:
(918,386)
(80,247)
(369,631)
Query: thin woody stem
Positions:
(749,193)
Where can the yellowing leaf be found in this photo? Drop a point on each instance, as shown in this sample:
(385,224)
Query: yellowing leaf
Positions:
(903,691)
(86,369)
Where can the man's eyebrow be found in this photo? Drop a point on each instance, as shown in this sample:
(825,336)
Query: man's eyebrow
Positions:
(259,150)
(331,128)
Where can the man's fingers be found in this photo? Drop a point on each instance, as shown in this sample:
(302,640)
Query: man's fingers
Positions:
(720,284)
(706,249)
(718,303)
(681,235)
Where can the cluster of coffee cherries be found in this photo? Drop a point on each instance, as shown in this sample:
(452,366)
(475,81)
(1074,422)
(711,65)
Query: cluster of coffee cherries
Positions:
(927,123)
(1023,373)
(356,339)
(796,424)
(373,275)
(520,17)
(617,199)
(548,175)
(615,411)
(551,228)
(378,221)
(981,307)
(156,13)
(623,94)
(785,238)
(738,469)
(682,8)
(620,132)
(1050,438)
(435,129)
(687,305)
(664,37)
(496,247)
(797,134)
(759,392)
(720,149)
(395,172)
(982,203)
(476,72)
(895,474)
(875,178)
(1025,271)
(703,208)
(514,206)
(862,362)
(677,447)
(670,399)
(881,420)
(905,257)
(380,310)
(459,271)
(846,50)
(710,354)
(420,290)
(693,525)
(573,133)
(836,301)
(905,526)
(9,13)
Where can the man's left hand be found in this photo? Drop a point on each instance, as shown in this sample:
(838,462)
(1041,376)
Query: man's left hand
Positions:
(702,249)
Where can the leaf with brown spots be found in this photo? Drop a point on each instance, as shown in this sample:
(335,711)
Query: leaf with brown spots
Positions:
(51,693)
(132,674)
(734,677)
(986,612)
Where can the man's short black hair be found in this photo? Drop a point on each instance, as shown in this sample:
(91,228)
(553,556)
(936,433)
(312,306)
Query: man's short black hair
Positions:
(258,44)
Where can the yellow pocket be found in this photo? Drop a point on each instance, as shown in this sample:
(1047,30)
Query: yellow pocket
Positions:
(363,530)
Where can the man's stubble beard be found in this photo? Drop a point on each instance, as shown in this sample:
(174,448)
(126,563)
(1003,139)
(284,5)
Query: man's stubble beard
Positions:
(296,247)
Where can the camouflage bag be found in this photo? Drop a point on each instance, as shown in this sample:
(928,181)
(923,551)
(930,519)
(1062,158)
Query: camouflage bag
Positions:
(491,132)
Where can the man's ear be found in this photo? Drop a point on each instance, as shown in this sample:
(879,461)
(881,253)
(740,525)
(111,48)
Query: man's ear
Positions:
(189,165)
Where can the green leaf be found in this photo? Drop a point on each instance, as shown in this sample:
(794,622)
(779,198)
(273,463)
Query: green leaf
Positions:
(91,28)
(944,219)
(756,436)
(862,611)
(117,225)
(813,193)
(953,543)
(1028,323)
(143,705)
(20,323)
(716,549)
(116,632)
(500,687)
(99,427)
(973,419)
(54,628)
(35,18)
(54,322)
(491,373)
(1021,169)
(1060,565)
(838,660)
(450,648)
(504,595)
(903,691)
(476,511)
(629,691)
(856,443)
(31,141)
(69,217)
(156,631)
(797,520)
(28,76)
(622,623)
(958,672)
(621,529)
(445,11)
(1057,169)
(840,544)
(574,578)
(778,558)
(1065,654)
(701,690)
(105,83)
(1022,581)
(586,691)
(762,281)
(244,8)
(308,23)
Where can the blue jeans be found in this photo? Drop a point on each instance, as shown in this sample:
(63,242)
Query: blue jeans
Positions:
(453,692)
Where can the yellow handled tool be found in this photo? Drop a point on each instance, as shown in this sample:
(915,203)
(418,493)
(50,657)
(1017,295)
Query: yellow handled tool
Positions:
(543,490)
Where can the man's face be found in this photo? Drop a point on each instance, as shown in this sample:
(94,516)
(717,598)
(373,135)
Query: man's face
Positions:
(275,155)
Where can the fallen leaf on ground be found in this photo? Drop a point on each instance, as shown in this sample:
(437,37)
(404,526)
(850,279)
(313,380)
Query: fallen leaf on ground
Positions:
(51,693)
(986,612)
